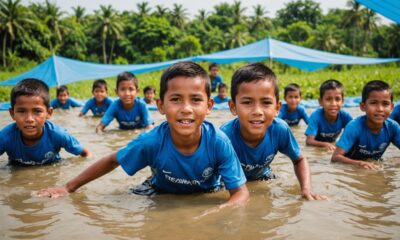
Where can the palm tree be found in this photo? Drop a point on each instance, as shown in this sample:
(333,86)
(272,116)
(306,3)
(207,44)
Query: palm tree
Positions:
(52,18)
(109,25)
(178,16)
(238,12)
(258,19)
(353,20)
(13,16)
(143,9)
(160,11)
(202,16)
(79,13)
(369,20)
(236,36)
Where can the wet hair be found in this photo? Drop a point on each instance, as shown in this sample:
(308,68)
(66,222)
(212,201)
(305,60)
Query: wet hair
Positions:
(149,88)
(61,89)
(375,85)
(330,84)
(253,72)
(99,83)
(213,65)
(222,85)
(184,69)
(127,76)
(292,87)
(31,87)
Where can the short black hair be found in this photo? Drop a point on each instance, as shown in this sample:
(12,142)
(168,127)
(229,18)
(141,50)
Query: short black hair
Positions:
(61,89)
(251,73)
(330,84)
(99,83)
(292,87)
(184,69)
(125,76)
(213,65)
(222,85)
(30,87)
(375,85)
(149,88)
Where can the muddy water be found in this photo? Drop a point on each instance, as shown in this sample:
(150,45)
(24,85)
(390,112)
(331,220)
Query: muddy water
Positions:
(362,203)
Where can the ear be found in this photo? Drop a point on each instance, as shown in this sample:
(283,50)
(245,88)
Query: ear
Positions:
(232,107)
(278,107)
(160,106)
(11,111)
(210,104)
(49,112)
(362,106)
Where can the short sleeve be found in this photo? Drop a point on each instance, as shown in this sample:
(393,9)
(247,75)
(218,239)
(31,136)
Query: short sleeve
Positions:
(133,157)
(110,114)
(288,144)
(75,103)
(147,120)
(54,104)
(312,128)
(396,135)
(304,115)
(349,137)
(70,143)
(86,107)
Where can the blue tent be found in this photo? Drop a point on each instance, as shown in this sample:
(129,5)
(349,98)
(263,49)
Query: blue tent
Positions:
(388,8)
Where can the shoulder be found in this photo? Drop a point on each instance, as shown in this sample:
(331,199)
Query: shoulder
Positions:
(279,125)
(357,124)
(108,100)
(10,128)
(318,113)
(229,127)
(391,124)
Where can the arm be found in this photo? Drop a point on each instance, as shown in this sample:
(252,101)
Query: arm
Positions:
(302,171)
(310,140)
(98,169)
(85,153)
(338,156)
(100,127)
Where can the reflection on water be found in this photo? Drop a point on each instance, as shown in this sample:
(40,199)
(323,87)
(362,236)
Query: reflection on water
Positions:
(363,203)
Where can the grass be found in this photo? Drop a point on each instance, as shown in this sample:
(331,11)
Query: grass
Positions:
(352,77)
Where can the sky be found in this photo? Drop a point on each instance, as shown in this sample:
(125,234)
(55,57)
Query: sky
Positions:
(192,6)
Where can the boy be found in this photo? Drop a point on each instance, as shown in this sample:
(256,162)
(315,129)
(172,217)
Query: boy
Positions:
(186,153)
(63,100)
(368,136)
(256,134)
(215,78)
(130,111)
(32,139)
(100,102)
(149,94)
(222,94)
(395,115)
(326,123)
(291,112)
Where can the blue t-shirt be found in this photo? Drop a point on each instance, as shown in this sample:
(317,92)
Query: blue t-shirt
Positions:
(293,118)
(323,130)
(360,143)
(69,104)
(216,81)
(256,161)
(218,100)
(395,115)
(174,172)
(136,117)
(45,151)
(96,110)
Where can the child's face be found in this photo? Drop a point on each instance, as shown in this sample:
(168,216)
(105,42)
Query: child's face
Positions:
(214,71)
(63,97)
(223,92)
(185,105)
(127,92)
(149,96)
(293,99)
(256,106)
(377,107)
(332,102)
(100,93)
(30,114)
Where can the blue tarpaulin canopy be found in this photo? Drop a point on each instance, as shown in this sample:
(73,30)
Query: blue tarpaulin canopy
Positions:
(59,70)
(387,8)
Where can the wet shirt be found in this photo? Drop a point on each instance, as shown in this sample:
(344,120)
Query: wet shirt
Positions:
(218,100)
(96,110)
(174,172)
(360,143)
(70,103)
(323,130)
(395,115)
(293,118)
(216,81)
(256,161)
(136,117)
(45,151)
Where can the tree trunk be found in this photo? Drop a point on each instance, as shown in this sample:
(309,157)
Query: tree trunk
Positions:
(104,51)
(4,50)
(111,51)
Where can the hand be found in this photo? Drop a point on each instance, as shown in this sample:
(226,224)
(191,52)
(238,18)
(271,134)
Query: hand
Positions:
(312,196)
(368,165)
(54,192)
(330,147)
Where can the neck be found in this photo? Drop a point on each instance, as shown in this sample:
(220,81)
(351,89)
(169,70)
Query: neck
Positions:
(187,144)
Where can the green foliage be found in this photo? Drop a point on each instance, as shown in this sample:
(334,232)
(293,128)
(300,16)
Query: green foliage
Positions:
(307,11)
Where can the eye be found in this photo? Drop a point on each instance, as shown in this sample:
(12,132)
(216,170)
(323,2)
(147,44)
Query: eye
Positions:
(245,102)
(174,99)
(197,99)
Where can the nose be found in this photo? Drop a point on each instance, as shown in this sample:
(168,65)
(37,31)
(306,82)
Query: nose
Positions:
(186,107)
(29,117)
(257,109)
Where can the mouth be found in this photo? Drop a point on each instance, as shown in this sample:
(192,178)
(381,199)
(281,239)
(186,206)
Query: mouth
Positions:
(257,123)
(29,128)
(185,122)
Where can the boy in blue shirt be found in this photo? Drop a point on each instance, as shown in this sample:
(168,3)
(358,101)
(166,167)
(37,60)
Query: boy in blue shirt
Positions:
(32,139)
(326,123)
(256,134)
(186,153)
(99,103)
(149,93)
(395,115)
(222,96)
(291,112)
(63,100)
(368,136)
(215,78)
(131,112)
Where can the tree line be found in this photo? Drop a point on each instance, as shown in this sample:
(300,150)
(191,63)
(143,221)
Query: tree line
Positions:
(39,30)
